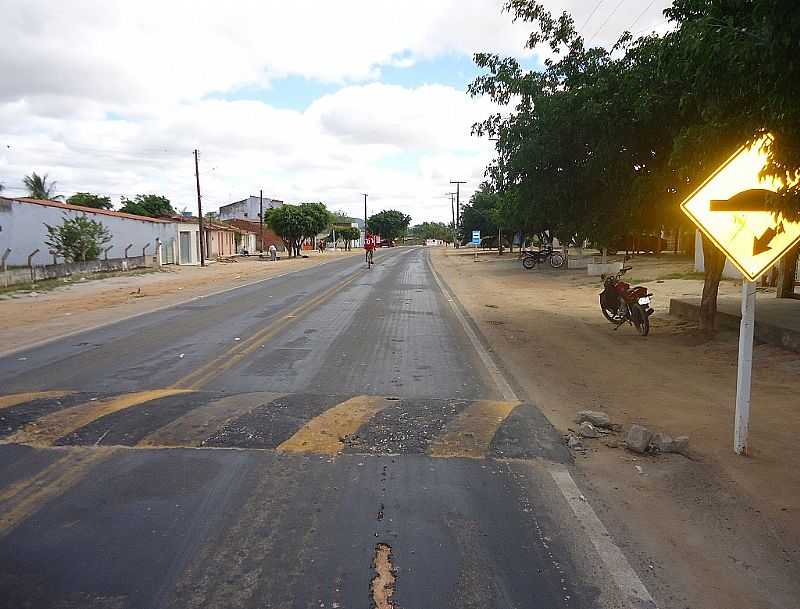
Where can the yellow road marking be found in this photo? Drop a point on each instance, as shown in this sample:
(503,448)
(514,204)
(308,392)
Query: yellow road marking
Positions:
(22,499)
(7,401)
(471,432)
(322,434)
(240,350)
(46,430)
(200,423)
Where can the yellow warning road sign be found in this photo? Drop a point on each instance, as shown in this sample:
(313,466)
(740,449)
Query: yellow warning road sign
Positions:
(730,209)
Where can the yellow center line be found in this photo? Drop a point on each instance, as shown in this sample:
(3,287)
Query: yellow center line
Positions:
(325,433)
(46,430)
(22,499)
(7,401)
(470,433)
(239,351)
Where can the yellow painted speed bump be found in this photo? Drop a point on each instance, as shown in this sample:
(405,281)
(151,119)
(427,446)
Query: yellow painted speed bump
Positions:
(7,401)
(46,430)
(471,432)
(323,434)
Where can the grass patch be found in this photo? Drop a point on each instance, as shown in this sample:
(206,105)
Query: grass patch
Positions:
(47,285)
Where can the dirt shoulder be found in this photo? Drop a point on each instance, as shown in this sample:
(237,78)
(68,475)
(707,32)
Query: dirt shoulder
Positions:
(715,530)
(27,318)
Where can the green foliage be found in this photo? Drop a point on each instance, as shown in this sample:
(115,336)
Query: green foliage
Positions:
(77,240)
(389,224)
(87,199)
(152,206)
(40,188)
(293,223)
(432,230)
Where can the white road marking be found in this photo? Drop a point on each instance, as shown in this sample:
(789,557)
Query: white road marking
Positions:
(630,585)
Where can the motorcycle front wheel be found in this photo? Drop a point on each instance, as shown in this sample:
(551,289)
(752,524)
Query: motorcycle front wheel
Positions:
(556,260)
(529,262)
(640,319)
(609,314)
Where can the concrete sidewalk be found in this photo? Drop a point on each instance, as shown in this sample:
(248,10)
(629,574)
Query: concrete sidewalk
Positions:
(777,319)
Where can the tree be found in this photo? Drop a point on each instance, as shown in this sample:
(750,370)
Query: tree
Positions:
(39,187)
(293,223)
(77,239)
(87,199)
(152,206)
(432,230)
(389,224)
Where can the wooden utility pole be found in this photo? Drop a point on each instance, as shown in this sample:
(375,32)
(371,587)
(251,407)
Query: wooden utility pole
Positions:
(365,219)
(453,211)
(458,184)
(261,219)
(200,234)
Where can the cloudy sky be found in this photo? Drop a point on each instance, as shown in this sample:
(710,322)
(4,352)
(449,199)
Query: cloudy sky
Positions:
(308,99)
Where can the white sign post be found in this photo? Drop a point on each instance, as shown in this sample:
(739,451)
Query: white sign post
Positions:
(744,372)
(731,209)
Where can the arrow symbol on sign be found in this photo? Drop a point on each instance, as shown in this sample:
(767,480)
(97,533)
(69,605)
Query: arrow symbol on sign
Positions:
(761,244)
(754,199)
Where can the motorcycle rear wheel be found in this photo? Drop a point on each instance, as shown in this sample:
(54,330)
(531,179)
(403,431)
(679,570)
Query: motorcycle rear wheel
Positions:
(556,260)
(640,319)
(529,262)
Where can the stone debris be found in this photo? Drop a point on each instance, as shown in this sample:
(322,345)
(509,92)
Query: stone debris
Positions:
(587,430)
(596,418)
(638,439)
(573,441)
(664,443)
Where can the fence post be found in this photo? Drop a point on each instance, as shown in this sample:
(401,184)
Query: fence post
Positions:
(55,257)
(144,256)
(3,259)
(108,249)
(157,258)
(30,264)
(130,245)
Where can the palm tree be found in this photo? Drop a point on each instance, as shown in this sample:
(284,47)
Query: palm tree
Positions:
(39,188)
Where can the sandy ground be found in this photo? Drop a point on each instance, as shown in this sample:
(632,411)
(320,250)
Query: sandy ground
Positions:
(715,530)
(28,318)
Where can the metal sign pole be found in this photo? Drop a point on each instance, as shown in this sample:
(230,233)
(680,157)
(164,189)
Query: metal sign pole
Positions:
(744,373)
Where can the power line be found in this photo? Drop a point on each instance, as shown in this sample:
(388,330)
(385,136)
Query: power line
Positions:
(589,18)
(611,14)
(635,21)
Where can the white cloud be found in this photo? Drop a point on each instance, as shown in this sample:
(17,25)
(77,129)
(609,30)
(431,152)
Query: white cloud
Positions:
(112,96)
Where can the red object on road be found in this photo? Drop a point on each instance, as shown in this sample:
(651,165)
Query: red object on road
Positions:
(369,243)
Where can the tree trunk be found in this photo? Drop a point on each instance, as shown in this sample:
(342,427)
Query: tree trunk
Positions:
(714,262)
(786,273)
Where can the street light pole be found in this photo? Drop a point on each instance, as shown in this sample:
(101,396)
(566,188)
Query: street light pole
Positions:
(458,184)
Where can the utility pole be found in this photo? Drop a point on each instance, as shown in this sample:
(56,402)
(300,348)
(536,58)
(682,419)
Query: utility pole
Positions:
(458,184)
(365,219)
(453,211)
(261,219)
(200,234)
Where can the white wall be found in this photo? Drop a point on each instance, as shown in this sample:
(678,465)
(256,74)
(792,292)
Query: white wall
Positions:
(248,209)
(22,228)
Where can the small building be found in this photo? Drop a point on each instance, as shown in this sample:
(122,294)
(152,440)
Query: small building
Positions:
(23,230)
(247,209)
(267,235)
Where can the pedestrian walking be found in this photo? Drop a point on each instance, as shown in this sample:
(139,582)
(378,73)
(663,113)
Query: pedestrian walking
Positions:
(273,252)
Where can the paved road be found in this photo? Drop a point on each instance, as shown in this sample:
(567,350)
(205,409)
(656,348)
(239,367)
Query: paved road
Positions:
(329,438)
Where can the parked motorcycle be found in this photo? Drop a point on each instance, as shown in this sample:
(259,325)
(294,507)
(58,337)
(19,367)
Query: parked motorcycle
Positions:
(620,302)
(546,254)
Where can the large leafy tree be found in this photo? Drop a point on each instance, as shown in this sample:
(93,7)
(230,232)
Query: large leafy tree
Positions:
(152,206)
(432,230)
(87,199)
(294,223)
(40,187)
(78,239)
(389,224)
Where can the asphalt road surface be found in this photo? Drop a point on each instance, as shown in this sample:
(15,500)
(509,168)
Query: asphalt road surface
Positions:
(329,438)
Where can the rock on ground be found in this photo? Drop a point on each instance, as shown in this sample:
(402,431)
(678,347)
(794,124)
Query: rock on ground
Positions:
(638,438)
(596,418)
(587,430)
